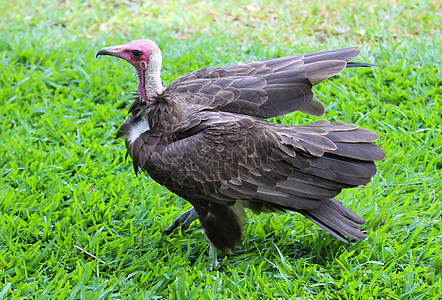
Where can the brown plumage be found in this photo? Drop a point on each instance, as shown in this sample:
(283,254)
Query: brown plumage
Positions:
(206,139)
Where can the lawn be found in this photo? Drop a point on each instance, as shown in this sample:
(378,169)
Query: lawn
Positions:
(64,182)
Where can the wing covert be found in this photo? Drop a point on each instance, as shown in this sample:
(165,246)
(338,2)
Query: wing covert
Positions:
(229,158)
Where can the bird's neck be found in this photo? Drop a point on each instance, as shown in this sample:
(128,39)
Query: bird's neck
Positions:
(149,79)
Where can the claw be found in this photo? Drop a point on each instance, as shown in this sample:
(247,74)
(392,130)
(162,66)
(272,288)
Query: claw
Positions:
(185,219)
(189,220)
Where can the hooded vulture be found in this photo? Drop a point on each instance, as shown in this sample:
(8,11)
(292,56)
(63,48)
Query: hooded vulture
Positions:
(205,138)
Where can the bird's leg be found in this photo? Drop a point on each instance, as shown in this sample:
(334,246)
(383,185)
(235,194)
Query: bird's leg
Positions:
(185,218)
(213,256)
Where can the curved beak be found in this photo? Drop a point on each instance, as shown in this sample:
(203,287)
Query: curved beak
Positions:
(112,51)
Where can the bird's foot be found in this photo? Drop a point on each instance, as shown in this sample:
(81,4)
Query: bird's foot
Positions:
(185,219)
(213,256)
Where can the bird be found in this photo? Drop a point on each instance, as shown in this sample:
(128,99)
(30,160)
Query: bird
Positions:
(207,138)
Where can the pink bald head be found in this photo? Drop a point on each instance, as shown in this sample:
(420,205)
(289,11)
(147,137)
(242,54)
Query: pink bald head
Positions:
(136,52)
(145,56)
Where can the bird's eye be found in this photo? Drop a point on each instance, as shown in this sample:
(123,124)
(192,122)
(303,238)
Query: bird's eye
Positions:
(136,53)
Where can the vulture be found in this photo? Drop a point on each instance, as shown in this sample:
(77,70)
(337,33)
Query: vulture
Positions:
(205,137)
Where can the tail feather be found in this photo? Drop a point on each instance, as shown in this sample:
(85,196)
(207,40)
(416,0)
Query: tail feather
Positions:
(335,218)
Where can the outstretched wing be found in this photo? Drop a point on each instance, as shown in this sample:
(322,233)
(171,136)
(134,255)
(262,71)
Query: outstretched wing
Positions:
(265,88)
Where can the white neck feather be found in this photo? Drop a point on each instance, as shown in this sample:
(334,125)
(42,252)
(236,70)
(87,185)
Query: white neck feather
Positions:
(137,130)
(152,77)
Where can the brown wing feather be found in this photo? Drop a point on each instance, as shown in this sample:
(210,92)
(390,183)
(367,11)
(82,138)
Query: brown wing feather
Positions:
(226,158)
(265,88)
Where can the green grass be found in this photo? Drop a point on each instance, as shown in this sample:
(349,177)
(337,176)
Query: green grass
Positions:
(64,181)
